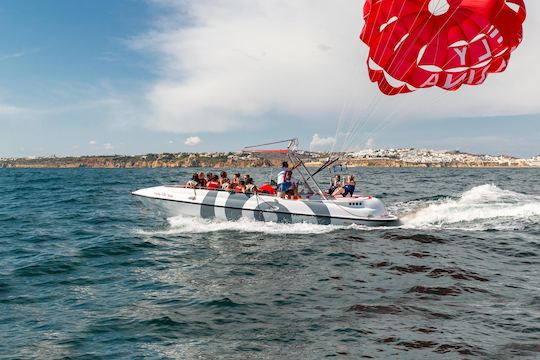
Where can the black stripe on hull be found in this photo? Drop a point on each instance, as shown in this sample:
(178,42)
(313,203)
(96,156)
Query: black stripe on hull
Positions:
(321,211)
(208,208)
(283,215)
(234,204)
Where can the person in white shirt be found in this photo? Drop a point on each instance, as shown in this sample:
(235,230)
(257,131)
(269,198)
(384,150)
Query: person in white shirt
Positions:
(283,184)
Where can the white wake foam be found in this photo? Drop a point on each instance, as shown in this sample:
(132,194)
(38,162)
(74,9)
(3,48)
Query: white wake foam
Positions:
(480,208)
(189,225)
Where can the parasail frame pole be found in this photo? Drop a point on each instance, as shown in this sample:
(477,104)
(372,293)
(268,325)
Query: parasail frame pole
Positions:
(310,177)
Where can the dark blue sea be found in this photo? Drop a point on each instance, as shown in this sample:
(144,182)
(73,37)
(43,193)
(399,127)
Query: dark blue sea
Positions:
(86,272)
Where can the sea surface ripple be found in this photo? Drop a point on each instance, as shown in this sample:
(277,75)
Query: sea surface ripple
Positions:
(86,272)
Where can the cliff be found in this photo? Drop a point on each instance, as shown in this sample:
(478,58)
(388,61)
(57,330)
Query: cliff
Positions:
(144,161)
(234,160)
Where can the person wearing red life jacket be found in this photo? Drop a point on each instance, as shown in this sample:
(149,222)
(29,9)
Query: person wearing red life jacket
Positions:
(214,183)
(240,187)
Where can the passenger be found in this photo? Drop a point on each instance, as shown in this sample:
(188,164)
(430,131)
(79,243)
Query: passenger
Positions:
(241,187)
(214,183)
(229,187)
(347,189)
(282,184)
(202,180)
(226,185)
(292,192)
(248,179)
(284,169)
(209,177)
(336,183)
(250,186)
(236,179)
(194,182)
(350,186)
(223,178)
(285,189)
(294,187)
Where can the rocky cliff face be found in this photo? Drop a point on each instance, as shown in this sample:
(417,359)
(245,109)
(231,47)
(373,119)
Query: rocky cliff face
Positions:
(111,162)
(196,160)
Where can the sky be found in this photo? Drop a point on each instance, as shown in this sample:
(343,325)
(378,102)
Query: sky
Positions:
(135,76)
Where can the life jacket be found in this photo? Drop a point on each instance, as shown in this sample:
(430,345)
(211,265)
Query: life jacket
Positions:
(267,189)
(288,175)
(212,185)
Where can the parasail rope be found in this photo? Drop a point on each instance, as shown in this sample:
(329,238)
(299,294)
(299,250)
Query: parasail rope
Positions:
(389,118)
(360,125)
(353,125)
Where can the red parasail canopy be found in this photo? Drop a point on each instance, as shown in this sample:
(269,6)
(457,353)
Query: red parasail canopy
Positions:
(417,44)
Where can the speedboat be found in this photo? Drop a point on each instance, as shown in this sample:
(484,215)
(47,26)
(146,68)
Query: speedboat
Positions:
(174,200)
(313,206)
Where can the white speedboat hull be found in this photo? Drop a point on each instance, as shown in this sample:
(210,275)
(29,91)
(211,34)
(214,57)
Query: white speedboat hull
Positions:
(209,204)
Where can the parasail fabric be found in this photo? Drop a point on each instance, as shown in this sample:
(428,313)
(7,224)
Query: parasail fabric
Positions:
(417,44)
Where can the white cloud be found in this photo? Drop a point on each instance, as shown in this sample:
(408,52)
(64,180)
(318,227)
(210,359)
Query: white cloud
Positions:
(19,54)
(238,61)
(321,144)
(108,146)
(192,141)
(171,142)
(92,142)
(106,104)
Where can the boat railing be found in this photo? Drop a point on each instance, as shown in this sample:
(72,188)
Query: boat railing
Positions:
(357,196)
(216,189)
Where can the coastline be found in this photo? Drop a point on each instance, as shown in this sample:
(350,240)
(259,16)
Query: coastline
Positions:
(232,160)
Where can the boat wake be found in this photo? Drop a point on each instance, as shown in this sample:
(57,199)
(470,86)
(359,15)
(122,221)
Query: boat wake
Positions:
(188,225)
(485,207)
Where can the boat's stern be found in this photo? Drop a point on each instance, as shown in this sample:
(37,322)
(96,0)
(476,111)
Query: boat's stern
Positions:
(379,213)
(367,210)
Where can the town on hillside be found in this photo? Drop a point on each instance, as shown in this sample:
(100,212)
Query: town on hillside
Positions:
(405,157)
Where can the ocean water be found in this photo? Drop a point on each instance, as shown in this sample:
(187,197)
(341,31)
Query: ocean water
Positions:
(85,272)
